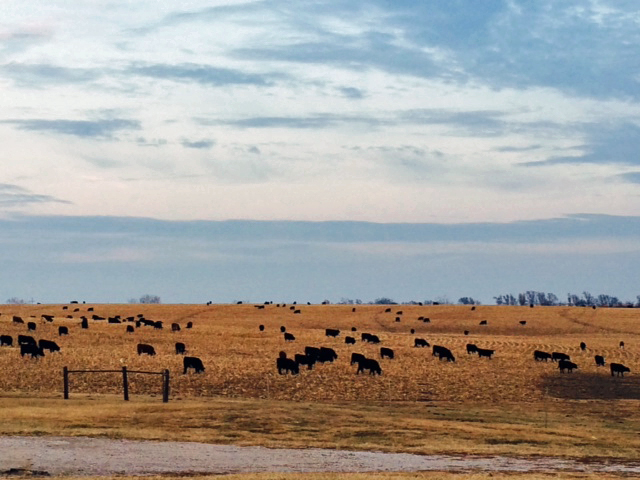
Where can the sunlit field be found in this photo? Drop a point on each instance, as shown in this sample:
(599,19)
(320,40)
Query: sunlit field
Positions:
(509,404)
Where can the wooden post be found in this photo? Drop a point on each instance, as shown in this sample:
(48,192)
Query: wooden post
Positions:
(165,386)
(125,383)
(65,380)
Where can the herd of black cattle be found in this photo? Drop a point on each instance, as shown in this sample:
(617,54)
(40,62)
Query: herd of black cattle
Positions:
(312,355)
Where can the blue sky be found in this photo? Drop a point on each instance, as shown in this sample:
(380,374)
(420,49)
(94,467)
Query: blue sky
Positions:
(493,145)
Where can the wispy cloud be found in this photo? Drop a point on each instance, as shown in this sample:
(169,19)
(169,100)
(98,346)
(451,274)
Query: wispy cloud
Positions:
(198,144)
(40,75)
(79,128)
(16,196)
(202,74)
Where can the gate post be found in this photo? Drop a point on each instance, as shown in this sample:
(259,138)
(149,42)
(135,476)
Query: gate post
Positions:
(125,383)
(65,381)
(165,386)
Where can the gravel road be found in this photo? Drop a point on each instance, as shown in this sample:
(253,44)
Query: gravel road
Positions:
(75,456)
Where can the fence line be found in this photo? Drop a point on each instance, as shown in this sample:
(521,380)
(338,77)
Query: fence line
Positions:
(125,380)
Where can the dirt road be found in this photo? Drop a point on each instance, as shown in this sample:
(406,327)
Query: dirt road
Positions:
(101,456)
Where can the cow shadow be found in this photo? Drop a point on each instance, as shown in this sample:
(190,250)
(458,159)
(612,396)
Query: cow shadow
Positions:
(592,386)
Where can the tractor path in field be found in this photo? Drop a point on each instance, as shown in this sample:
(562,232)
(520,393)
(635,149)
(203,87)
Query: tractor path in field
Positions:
(83,456)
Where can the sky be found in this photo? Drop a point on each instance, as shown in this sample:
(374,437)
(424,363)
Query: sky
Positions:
(251,150)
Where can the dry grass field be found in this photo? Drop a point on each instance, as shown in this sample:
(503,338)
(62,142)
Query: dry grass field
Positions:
(509,404)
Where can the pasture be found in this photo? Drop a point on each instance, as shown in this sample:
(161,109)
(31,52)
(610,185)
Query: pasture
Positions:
(507,404)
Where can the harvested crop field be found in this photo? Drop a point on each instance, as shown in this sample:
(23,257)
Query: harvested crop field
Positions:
(240,359)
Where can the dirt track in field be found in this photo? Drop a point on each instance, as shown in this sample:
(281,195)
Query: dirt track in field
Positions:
(83,456)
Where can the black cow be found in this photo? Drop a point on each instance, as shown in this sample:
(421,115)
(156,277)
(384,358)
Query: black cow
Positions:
(412,331)
(189,324)
(566,365)
(420,342)
(175,327)
(484,352)
(354,329)
(261,328)
(289,337)
(483,322)
(17,319)
(443,352)
(372,338)
(386,352)
(399,312)
(365,336)
(181,349)
(146,349)
(539,356)
(622,345)
(130,329)
(48,318)
(466,332)
(583,346)
(31,326)
(192,362)
(426,320)
(6,341)
(618,368)
(523,322)
(26,340)
(113,320)
(471,348)
(350,340)
(287,365)
(327,355)
(555,356)
(369,364)
(387,310)
(297,312)
(356,357)
(599,360)
(31,349)
(312,352)
(62,330)
(96,317)
(158,325)
(308,360)
(84,323)
(397,319)
(332,332)
(48,345)
(283,329)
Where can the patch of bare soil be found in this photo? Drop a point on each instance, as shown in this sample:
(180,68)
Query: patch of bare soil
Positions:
(75,456)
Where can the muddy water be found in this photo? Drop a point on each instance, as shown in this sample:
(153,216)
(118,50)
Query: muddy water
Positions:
(99,456)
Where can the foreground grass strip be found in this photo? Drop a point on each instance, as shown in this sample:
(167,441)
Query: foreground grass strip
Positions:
(376,476)
(570,429)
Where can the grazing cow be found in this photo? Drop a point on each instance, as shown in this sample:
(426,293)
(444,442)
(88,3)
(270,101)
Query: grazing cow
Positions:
(369,364)
(26,340)
(259,307)
(397,319)
(443,352)
(353,309)
(62,330)
(386,352)
(466,332)
(47,318)
(387,310)
(292,307)
(308,360)
(583,346)
(6,341)
(31,349)
(350,340)
(189,324)
(622,345)
(365,336)
(484,352)
(354,329)
(283,329)
(356,357)
(327,355)
(473,308)
(599,361)
(289,337)
(539,356)
(619,369)
(287,365)
(555,356)
(483,322)
(113,320)
(420,342)
(373,339)
(31,326)
(175,327)
(130,329)
(147,349)
(426,320)
(399,312)
(96,317)
(566,365)
(147,323)
(523,322)
(90,309)
(192,362)
(48,345)
(65,307)
(17,319)
(158,325)
(297,312)
(471,348)
(332,332)
(261,328)
(181,349)
(84,323)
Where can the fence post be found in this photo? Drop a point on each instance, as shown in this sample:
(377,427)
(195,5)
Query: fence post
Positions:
(125,383)
(165,386)
(65,380)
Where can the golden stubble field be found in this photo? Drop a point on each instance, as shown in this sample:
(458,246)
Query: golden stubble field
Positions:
(240,359)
